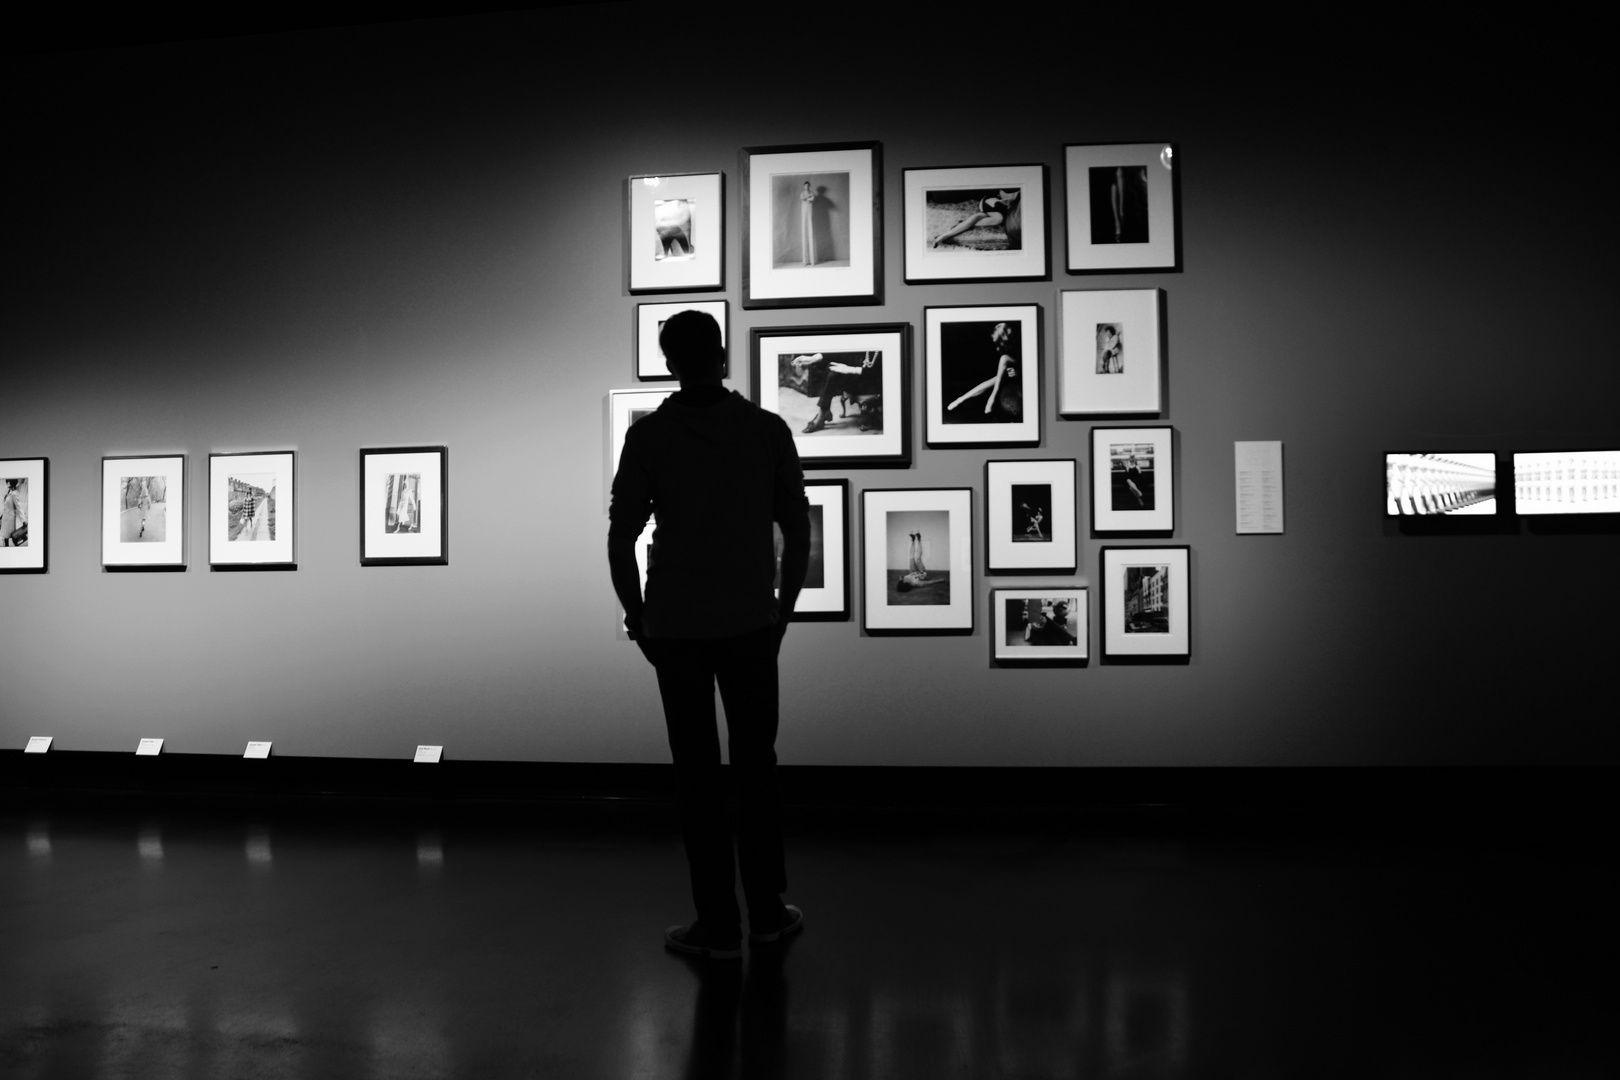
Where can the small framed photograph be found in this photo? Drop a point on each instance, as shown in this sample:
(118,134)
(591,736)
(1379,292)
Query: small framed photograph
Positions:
(405,506)
(825,597)
(23,524)
(812,225)
(1439,485)
(143,512)
(650,320)
(1030,516)
(1556,482)
(984,375)
(1133,480)
(1041,627)
(918,560)
(250,509)
(1121,201)
(1146,592)
(625,407)
(986,223)
(845,391)
(675,232)
(1110,352)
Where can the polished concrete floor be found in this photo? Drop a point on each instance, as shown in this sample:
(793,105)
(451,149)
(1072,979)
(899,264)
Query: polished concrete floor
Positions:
(184,942)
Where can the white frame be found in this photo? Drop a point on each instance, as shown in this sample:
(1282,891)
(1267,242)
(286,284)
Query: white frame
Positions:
(1159,253)
(34,557)
(431,545)
(650,363)
(1005,556)
(1139,389)
(929,264)
(831,601)
(861,282)
(1027,432)
(1079,613)
(1116,642)
(1162,518)
(832,449)
(878,616)
(167,553)
(221,551)
(706,270)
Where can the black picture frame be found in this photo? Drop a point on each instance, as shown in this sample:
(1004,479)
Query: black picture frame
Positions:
(1159,629)
(281,554)
(385,539)
(1051,508)
(703,267)
(825,596)
(1052,628)
(840,242)
(25,508)
(940,600)
(962,355)
(160,544)
(1013,247)
(1123,204)
(847,441)
(1114,489)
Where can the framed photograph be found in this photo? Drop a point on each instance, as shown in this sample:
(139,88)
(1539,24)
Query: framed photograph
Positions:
(1029,518)
(675,235)
(250,509)
(1553,482)
(812,225)
(1041,626)
(1133,480)
(986,223)
(405,506)
(1121,201)
(845,391)
(143,512)
(1110,352)
(625,407)
(1439,485)
(650,319)
(984,375)
(918,560)
(23,524)
(825,597)
(1146,593)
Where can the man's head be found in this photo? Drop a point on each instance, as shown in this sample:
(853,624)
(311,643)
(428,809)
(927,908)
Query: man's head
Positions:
(691,344)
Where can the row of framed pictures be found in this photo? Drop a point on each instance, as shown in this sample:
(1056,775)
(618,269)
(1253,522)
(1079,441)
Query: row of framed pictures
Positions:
(983,360)
(812,219)
(917,567)
(404,510)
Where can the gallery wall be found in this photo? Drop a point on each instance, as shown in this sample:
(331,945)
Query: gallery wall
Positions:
(413,234)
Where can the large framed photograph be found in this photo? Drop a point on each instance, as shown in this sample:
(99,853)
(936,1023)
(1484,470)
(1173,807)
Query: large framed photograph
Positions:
(986,223)
(1146,595)
(24,500)
(1110,352)
(405,506)
(1121,201)
(650,319)
(918,560)
(984,375)
(825,597)
(845,391)
(1439,485)
(1041,627)
(675,232)
(1029,516)
(250,510)
(812,225)
(143,512)
(1562,482)
(1133,480)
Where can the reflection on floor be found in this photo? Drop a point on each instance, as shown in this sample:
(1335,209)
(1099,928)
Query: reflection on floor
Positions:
(1091,944)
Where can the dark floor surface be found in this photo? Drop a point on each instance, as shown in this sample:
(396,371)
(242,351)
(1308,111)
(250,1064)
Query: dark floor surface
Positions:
(405,942)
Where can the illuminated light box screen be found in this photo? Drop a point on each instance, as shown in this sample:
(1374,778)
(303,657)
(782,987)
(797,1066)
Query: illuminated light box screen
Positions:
(1427,485)
(1567,482)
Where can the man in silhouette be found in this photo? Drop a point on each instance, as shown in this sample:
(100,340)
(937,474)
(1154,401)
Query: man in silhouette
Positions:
(714,471)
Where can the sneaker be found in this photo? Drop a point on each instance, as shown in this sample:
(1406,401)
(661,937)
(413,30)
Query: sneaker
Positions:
(693,941)
(795,923)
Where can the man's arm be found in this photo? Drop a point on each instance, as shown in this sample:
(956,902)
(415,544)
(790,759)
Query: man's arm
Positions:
(628,511)
(792,512)
(626,580)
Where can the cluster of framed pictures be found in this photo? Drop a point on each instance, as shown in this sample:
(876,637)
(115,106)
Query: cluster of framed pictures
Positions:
(404,510)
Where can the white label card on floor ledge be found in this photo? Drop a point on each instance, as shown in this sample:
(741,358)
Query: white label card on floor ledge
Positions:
(149,748)
(257,750)
(429,754)
(37,744)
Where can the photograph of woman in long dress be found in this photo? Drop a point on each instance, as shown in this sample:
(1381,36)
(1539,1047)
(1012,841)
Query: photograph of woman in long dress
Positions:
(810,220)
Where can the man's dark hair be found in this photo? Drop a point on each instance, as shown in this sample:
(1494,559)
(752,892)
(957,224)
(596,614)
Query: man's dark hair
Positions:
(691,343)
